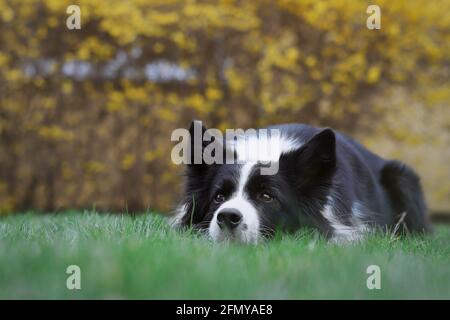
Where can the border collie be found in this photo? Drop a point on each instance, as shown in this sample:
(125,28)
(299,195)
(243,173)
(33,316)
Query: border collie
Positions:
(324,180)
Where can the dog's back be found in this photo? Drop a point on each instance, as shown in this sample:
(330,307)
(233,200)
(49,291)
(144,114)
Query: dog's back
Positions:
(388,191)
(406,196)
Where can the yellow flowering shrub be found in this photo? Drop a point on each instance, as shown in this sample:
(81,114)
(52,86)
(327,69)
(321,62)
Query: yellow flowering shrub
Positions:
(86,115)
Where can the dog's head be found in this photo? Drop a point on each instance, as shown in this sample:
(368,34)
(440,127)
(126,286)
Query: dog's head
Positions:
(244,201)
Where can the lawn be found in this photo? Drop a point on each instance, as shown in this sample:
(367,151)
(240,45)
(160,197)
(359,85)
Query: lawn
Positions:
(140,257)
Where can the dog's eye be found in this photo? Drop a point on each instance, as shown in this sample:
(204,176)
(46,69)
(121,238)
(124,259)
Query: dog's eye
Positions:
(265,197)
(219,198)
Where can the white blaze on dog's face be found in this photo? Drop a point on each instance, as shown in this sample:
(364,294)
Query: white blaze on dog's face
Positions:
(236,218)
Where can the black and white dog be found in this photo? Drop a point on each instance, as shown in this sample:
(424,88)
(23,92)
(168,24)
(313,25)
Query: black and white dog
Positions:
(324,180)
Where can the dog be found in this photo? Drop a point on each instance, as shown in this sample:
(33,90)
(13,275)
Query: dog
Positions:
(324,181)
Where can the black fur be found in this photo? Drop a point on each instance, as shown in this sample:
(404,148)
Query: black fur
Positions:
(328,168)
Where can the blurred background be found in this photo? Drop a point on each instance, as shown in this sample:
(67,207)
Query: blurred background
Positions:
(86,115)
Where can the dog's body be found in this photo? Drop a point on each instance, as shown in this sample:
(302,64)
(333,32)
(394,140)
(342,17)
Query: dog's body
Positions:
(325,181)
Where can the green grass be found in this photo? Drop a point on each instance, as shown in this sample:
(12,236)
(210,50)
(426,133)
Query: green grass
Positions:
(141,257)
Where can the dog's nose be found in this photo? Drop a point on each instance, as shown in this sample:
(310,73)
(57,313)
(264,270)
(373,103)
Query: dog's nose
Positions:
(229,218)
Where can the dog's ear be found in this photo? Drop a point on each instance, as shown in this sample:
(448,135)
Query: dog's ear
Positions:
(196,144)
(320,150)
(206,146)
(315,159)
(200,146)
